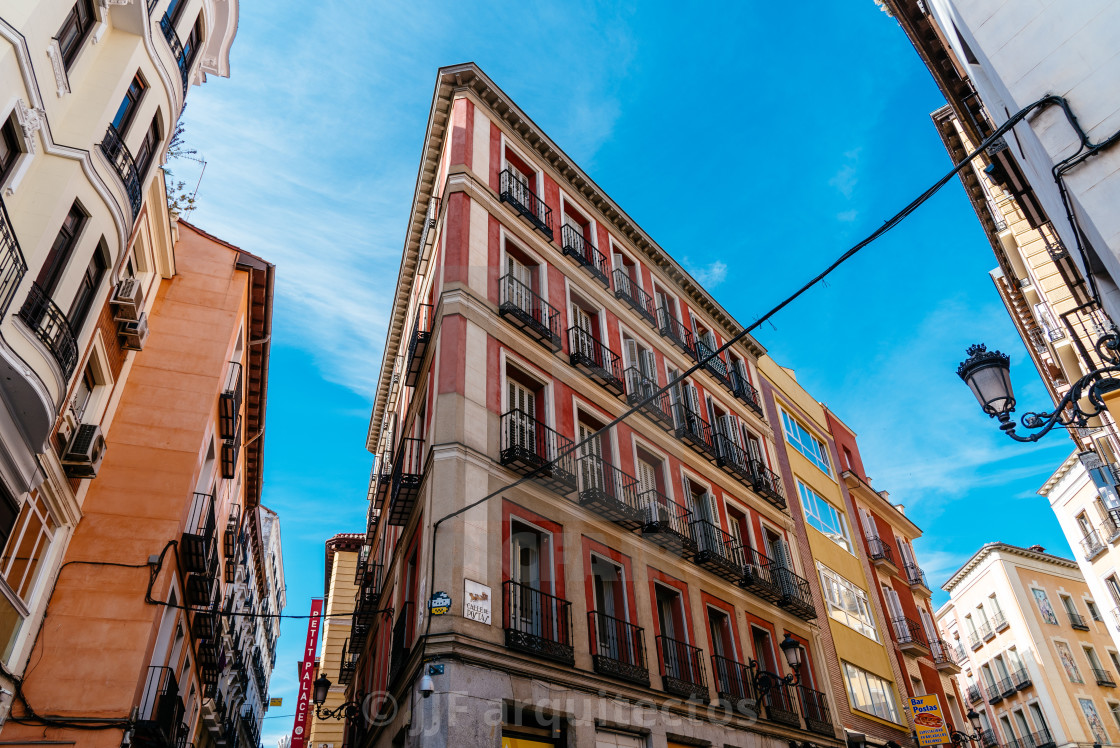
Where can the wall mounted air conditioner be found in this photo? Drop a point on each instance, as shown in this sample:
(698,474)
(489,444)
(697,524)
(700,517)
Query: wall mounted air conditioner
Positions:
(133,334)
(127,300)
(84,452)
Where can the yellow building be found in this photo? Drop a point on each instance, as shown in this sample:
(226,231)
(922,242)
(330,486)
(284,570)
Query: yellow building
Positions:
(337,655)
(1038,672)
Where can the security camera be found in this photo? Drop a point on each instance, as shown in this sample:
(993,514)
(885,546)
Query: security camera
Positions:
(426,686)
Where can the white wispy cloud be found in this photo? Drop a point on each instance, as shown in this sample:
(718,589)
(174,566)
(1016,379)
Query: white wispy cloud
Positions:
(847,176)
(710,275)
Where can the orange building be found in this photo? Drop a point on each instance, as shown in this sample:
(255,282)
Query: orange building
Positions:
(138,639)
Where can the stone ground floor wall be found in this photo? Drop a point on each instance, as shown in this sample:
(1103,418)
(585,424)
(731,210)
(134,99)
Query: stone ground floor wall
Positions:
(471,706)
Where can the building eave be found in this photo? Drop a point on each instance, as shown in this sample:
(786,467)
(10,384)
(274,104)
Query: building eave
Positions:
(989,548)
(1056,477)
(877,502)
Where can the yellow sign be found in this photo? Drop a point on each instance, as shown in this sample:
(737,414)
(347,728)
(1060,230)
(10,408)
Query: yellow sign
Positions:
(276,701)
(929,721)
(523,743)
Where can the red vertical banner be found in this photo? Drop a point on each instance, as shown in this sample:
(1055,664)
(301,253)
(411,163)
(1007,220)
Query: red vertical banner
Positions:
(307,675)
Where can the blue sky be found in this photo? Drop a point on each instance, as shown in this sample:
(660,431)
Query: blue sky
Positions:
(754,144)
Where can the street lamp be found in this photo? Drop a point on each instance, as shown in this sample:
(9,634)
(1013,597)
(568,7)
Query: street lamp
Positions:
(764,680)
(959,737)
(988,375)
(348,710)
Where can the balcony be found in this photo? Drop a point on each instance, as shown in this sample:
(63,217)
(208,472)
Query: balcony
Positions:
(974,695)
(639,389)
(527,311)
(942,654)
(916,578)
(1042,739)
(717,551)
(114,149)
(609,492)
(1092,546)
(538,623)
(1077,622)
(675,330)
(229,452)
(595,360)
(1006,687)
(159,720)
(50,325)
(530,447)
(12,265)
(667,523)
(731,457)
(349,663)
(988,739)
(616,648)
(693,430)
(778,705)
(985,630)
(576,246)
(401,647)
(974,641)
(408,474)
(628,290)
(999,621)
(1104,678)
(993,693)
(229,402)
(682,669)
(910,637)
(515,191)
(745,392)
(359,632)
(198,543)
(814,708)
(1110,529)
(759,577)
(418,344)
(199,585)
(250,724)
(767,484)
(176,51)
(706,356)
(796,595)
(880,553)
(734,685)
(1022,679)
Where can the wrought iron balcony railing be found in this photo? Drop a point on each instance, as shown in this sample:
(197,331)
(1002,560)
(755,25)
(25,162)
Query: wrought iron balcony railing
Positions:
(1076,621)
(534,316)
(797,596)
(682,669)
(693,430)
(986,631)
(50,325)
(1110,529)
(408,474)
(538,623)
(999,621)
(528,444)
(617,649)
(941,653)
(160,712)
(418,343)
(177,51)
(730,456)
(988,739)
(814,708)
(629,291)
(112,145)
(974,640)
(667,523)
(515,191)
(734,684)
(1006,687)
(759,577)
(993,693)
(13,266)
(1092,546)
(909,635)
(229,402)
(780,705)
(349,662)
(916,577)
(576,246)
(1104,678)
(1022,678)
(878,551)
(706,356)
(717,551)
(974,695)
(609,492)
(596,360)
(401,646)
(198,544)
(745,392)
(640,388)
(675,330)
(1042,739)
(767,484)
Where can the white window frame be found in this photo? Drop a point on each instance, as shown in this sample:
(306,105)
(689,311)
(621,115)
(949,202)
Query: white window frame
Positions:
(862,622)
(846,533)
(891,713)
(505,360)
(538,172)
(794,440)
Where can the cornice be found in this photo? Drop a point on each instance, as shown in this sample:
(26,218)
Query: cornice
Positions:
(896,518)
(997,547)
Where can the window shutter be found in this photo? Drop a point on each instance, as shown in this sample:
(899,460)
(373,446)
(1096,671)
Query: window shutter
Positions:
(648,364)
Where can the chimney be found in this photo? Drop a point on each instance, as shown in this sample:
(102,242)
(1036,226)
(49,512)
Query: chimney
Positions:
(901,509)
(1037,549)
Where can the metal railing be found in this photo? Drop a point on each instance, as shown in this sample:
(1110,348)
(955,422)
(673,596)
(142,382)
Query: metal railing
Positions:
(515,191)
(744,391)
(692,429)
(1092,545)
(797,596)
(1006,687)
(13,266)
(779,704)
(229,402)
(908,632)
(576,246)
(418,343)
(915,576)
(408,474)
(616,648)
(1109,529)
(941,653)
(706,356)
(601,363)
(608,491)
(112,145)
(1104,678)
(999,621)
(666,522)
(529,311)
(528,444)
(1087,323)
(1022,678)
(1076,621)
(349,663)
(629,291)
(988,738)
(985,630)
(768,484)
(537,622)
(52,328)
(974,640)
(401,646)
(993,694)
(682,669)
(974,695)
(675,330)
(198,543)
(877,550)
(639,387)
(717,551)
(160,713)
(730,456)
(814,708)
(734,682)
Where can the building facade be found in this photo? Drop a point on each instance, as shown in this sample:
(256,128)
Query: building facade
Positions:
(639,586)
(1039,672)
(342,636)
(170,582)
(89,96)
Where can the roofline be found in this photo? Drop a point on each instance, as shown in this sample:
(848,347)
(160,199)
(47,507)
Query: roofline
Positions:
(883,505)
(989,548)
(1063,470)
(469,76)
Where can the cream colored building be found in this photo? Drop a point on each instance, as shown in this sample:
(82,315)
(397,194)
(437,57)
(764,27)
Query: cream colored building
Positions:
(90,92)
(341,585)
(1037,671)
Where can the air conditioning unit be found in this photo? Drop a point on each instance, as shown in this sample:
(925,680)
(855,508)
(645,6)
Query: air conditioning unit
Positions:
(133,334)
(67,428)
(83,454)
(127,300)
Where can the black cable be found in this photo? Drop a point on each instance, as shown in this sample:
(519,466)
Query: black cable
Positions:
(887,226)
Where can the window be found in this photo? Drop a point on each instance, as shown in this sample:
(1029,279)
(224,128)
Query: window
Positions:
(129,104)
(75,28)
(87,288)
(824,517)
(61,249)
(1094,613)
(10,149)
(869,693)
(190,46)
(145,154)
(847,603)
(174,8)
(806,443)
(27,546)
(83,393)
